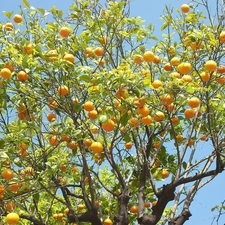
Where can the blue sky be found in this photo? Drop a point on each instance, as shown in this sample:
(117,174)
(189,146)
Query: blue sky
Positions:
(150,11)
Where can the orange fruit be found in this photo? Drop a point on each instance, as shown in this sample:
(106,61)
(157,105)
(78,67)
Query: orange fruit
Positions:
(175,75)
(9,26)
(165,174)
(63,168)
(121,93)
(107,222)
(9,66)
(170,107)
(133,122)
(175,61)
(80,207)
(51,117)
(22,76)
(138,59)
(96,203)
(7,174)
(139,102)
(156,84)
(166,99)
(22,115)
(63,90)
(101,62)
(128,145)
(187,78)
(5,73)
(157,144)
(17,18)
(72,145)
(28,49)
(194,102)
(93,114)
(69,57)
(190,142)
(13,187)
(221,80)
(96,147)
(134,209)
(2,191)
(53,140)
(99,51)
(12,218)
(205,76)
(29,171)
(88,106)
(184,68)
(189,113)
(221,69)
(143,111)
(171,50)
(108,125)
(87,142)
(64,31)
(10,206)
(174,120)
(210,65)
(203,138)
(157,60)
(167,67)
(146,120)
(159,116)
(154,203)
(196,45)
(148,56)
(89,52)
(147,204)
(179,137)
(185,8)
(222,37)
(75,170)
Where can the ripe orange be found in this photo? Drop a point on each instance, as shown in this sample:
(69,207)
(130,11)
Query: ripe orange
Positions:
(22,76)
(128,145)
(196,45)
(72,145)
(221,69)
(143,111)
(184,68)
(17,18)
(93,114)
(185,8)
(139,102)
(174,120)
(205,76)
(187,78)
(175,61)
(121,93)
(101,62)
(63,90)
(5,73)
(107,222)
(9,66)
(7,174)
(156,84)
(88,106)
(146,120)
(99,51)
(148,56)
(2,191)
(189,113)
(87,142)
(134,209)
(9,26)
(103,40)
(165,174)
(221,80)
(222,37)
(12,218)
(96,147)
(171,50)
(28,49)
(157,60)
(63,167)
(108,125)
(89,52)
(175,75)
(138,59)
(65,138)
(64,31)
(157,144)
(133,122)
(10,206)
(13,187)
(69,57)
(53,140)
(203,138)
(51,117)
(190,142)
(75,169)
(154,203)
(167,67)
(159,116)
(147,204)
(22,115)
(80,207)
(194,102)
(166,99)
(179,137)
(210,65)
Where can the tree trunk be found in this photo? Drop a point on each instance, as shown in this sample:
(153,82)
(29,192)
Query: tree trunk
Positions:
(182,218)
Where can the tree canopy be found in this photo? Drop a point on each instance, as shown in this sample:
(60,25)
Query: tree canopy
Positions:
(97,125)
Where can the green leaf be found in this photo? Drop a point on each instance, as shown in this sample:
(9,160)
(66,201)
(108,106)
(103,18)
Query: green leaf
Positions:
(124,119)
(184,164)
(8,14)
(103,118)
(36,197)
(85,78)
(42,11)
(26,3)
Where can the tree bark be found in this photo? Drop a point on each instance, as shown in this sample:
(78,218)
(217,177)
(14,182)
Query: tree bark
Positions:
(182,218)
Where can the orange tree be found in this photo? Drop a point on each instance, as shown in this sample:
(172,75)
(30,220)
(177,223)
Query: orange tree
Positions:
(97,127)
